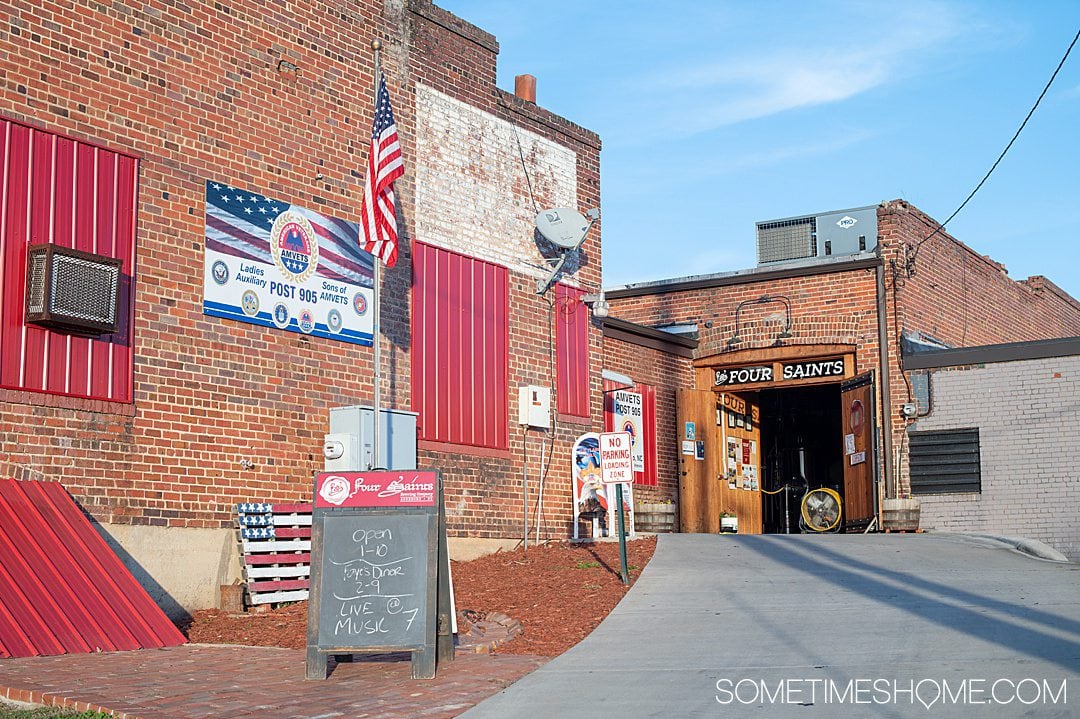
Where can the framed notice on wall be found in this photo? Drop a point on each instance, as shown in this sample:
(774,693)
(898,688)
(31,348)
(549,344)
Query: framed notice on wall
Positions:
(282,266)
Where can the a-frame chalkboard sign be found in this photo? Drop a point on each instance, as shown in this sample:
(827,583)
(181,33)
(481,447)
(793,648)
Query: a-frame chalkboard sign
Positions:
(379,569)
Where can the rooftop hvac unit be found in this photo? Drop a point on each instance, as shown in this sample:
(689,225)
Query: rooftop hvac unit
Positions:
(828,234)
(790,239)
(72,290)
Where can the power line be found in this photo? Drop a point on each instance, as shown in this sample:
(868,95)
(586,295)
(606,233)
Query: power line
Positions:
(1031,112)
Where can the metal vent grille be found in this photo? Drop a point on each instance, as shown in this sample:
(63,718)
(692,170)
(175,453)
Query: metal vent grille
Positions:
(786,239)
(72,290)
(945,461)
(35,290)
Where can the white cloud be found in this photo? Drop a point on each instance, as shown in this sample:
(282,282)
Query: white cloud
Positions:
(867,47)
(638,179)
(779,84)
(777,155)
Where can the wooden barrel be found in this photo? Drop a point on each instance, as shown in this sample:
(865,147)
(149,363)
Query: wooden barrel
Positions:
(654,517)
(900,515)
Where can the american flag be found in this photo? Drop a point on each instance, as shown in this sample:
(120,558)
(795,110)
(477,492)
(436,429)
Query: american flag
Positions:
(238,223)
(377,212)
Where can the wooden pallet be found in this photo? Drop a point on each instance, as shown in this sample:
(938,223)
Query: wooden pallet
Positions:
(275,543)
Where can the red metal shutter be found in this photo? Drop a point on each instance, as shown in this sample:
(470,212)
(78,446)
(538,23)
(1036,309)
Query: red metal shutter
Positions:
(571,351)
(648,435)
(460,340)
(73,194)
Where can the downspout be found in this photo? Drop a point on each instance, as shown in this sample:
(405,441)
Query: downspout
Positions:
(883,370)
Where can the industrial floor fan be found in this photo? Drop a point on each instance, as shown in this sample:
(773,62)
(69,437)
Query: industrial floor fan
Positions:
(821,510)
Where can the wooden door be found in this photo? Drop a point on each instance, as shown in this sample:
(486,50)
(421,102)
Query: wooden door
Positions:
(698,460)
(857,407)
(740,473)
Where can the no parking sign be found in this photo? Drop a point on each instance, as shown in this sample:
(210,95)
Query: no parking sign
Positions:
(627,408)
(616,461)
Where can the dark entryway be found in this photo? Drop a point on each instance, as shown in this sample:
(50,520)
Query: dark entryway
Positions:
(803,443)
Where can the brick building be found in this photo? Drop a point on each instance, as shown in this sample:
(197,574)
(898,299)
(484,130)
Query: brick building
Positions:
(787,367)
(125,127)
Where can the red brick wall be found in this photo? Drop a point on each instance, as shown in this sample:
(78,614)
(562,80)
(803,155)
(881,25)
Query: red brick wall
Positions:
(837,307)
(965,299)
(196,92)
(665,372)
(955,295)
(484,492)
(834,308)
(958,297)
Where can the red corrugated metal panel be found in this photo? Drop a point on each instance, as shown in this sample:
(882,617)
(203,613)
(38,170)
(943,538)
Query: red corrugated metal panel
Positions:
(648,434)
(63,233)
(14,239)
(460,341)
(74,194)
(571,351)
(62,590)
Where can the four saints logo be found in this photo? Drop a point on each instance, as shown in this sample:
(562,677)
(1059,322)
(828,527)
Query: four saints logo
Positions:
(397,487)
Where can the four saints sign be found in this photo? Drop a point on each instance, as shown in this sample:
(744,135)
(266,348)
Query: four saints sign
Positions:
(779,372)
(743,375)
(817,368)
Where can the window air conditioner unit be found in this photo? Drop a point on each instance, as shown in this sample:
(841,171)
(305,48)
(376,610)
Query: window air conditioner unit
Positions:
(71,290)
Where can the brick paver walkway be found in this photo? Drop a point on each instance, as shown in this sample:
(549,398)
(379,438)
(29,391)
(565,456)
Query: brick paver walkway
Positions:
(201,680)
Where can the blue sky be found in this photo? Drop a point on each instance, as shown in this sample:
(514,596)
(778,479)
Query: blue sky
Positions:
(715,115)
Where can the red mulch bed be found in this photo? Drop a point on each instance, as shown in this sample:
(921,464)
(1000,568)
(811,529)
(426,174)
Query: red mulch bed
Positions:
(559,592)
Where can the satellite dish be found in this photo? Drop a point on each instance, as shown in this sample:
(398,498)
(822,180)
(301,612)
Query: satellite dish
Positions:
(566,229)
(563,227)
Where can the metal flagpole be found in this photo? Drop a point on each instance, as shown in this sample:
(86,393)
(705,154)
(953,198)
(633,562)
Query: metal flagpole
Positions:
(624,573)
(376,278)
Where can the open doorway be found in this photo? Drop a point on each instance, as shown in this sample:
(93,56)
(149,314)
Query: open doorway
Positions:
(803,443)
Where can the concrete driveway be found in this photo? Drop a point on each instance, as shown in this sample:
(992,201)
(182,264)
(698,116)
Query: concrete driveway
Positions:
(823,626)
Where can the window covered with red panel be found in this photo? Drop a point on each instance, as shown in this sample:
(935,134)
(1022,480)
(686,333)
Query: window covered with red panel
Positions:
(571,351)
(648,477)
(75,195)
(459,351)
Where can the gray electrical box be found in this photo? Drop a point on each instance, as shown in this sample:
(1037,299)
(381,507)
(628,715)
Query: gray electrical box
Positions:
(847,232)
(397,438)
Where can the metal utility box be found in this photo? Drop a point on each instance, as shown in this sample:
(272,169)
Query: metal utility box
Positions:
(534,406)
(847,232)
(354,429)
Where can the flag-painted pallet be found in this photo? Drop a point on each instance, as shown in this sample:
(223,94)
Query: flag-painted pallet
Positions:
(275,541)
